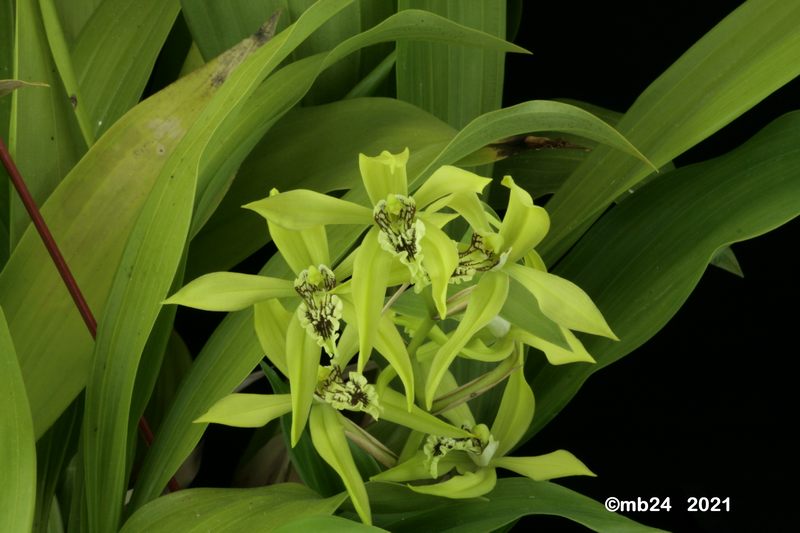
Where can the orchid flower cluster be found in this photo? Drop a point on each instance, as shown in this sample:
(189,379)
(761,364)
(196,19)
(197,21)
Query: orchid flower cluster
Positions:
(420,291)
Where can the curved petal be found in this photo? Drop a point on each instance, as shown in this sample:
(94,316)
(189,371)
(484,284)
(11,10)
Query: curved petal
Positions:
(524,224)
(467,485)
(327,434)
(449,180)
(562,301)
(418,468)
(247,410)
(483,305)
(439,261)
(394,410)
(302,362)
(303,209)
(516,410)
(556,355)
(271,322)
(384,174)
(301,248)
(559,463)
(369,282)
(230,291)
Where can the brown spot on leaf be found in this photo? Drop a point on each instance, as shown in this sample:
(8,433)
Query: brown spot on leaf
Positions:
(73,99)
(521,143)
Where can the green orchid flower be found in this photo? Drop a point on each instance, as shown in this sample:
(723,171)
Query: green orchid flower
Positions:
(476,458)
(329,429)
(493,253)
(403,229)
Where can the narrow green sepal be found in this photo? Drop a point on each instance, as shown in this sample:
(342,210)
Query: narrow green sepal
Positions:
(441,259)
(230,291)
(394,410)
(467,485)
(556,355)
(302,362)
(418,468)
(271,321)
(247,410)
(484,303)
(449,180)
(327,434)
(559,463)
(516,409)
(303,209)
(301,248)
(562,301)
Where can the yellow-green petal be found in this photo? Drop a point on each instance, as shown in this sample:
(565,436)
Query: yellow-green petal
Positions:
(301,248)
(460,415)
(439,261)
(449,180)
(556,355)
(524,224)
(247,410)
(327,434)
(484,303)
(562,301)
(384,174)
(395,411)
(230,291)
(271,322)
(467,485)
(303,209)
(418,468)
(302,362)
(369,282)
(559,463)
(516,409)
(470,208)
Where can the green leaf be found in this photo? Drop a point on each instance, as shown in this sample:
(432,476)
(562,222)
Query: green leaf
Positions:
(230,510)
(746,57)
(17,445)
(397,509)
(484,304)
(454,82)
(643,259)
(110,83)
(230,291)
(327,433)
(561,300)
(7,21)
(43,136)
(725,259)
(247,410)
(536,115)
(328,524)
(559,463)
(109,187)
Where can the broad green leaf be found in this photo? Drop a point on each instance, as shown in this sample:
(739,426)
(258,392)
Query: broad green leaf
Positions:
(559,463)
(7,21)
(746,57)
(561,300)
(230,291)
(328,524)
(454,82)
(247,410)
(533,116)
(484,304)
(43,135)
(466,485)
(175,366)
(397,509)
(74,15)
(515,412)
(643,259)
(101,197)
(149,263)
(327,433)
(110,83)
(302,362)
(230,510)
(17,446)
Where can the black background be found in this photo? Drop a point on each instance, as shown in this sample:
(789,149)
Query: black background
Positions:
(706,406)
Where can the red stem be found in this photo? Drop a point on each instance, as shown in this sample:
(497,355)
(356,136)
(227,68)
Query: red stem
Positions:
(63,270)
